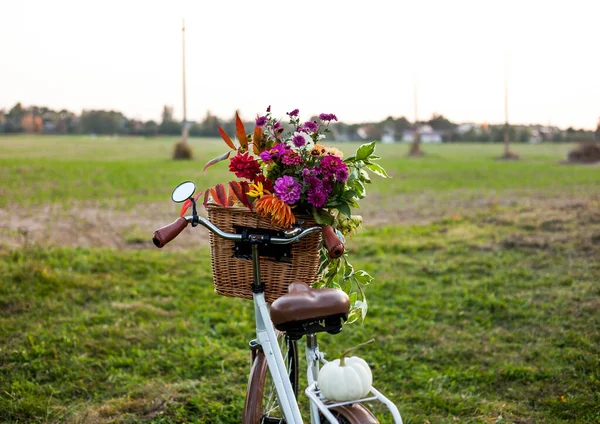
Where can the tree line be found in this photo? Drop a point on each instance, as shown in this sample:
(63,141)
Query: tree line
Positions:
(41,119)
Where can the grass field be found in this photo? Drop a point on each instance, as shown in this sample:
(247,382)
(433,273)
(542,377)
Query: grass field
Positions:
(485,306)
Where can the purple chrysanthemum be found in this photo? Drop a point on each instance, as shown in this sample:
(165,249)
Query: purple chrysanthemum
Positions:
(309,126)
(269,109)
(327,117)
(276,125)
(260,122)
(288,189)
(330,166)
(317,198)
(294,112)
(299,140)
(318,191)
(274,152)
(332,163)
(341,175)
(266,156)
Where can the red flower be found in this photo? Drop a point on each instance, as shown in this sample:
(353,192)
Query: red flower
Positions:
(267,184)
(244,166)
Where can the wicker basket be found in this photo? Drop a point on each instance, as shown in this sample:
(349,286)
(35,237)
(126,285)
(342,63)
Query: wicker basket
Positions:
(233,275)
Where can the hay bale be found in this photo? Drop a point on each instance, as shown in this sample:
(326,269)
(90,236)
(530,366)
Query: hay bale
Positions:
(510,155)
(182,151)
(588,152)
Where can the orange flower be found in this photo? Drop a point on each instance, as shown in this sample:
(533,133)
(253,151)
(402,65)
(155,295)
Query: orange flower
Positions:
(280,212)
(335,152)
(318,150)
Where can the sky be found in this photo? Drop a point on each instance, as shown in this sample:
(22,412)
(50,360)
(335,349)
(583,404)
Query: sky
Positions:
(359,60)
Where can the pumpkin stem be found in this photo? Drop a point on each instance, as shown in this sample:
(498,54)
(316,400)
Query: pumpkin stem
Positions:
(352,349)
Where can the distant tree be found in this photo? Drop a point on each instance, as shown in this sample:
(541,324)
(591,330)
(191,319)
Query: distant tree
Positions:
(439,123)
(150,128)
(597,133)
(66,122)
(170,128)
(208,126)
(102,122)
(558,137)
(167,114)
(398,125)
(14,119)
(16,111)
(524,135)
(373,131)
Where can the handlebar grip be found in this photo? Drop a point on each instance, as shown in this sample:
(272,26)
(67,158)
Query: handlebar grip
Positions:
(334,245)
(167,233)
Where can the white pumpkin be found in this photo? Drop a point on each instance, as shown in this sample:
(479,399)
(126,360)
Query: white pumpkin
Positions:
(345,379)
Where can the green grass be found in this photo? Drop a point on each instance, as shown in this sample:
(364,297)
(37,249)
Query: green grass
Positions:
(122,171)
(487,316)
(473,321)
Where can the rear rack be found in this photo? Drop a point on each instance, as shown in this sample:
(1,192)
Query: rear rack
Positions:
(314,394)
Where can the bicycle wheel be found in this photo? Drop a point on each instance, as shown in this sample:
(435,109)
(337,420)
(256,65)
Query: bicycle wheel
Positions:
(262,404)
(352,414)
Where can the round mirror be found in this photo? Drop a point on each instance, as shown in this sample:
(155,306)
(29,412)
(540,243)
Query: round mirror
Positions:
(183,191)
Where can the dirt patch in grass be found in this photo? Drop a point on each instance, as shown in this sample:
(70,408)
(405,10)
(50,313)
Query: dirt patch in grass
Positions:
(100,225)
(147,405)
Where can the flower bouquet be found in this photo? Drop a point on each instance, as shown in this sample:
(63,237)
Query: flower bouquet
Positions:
(285,171)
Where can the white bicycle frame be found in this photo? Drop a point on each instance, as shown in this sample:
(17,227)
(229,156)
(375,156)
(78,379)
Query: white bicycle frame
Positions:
(266,337)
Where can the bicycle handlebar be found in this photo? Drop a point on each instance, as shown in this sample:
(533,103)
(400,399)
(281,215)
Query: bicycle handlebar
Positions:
(165,234)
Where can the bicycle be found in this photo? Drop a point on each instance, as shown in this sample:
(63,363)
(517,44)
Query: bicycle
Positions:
(272,391)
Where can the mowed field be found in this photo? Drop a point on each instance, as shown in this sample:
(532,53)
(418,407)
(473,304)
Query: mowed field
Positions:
(485,304)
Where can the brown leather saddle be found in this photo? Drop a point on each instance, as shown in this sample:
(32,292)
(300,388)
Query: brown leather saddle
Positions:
(305,310)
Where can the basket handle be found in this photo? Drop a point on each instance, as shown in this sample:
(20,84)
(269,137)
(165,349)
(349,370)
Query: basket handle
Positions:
(334,245)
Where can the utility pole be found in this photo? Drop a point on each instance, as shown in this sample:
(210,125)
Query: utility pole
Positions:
(415,148)
(184,131)
(508,155)
(506,126)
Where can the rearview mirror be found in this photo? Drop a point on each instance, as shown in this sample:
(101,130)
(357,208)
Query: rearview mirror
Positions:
(183,191)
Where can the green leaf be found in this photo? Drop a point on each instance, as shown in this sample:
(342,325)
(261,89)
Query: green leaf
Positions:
(365,151)
(344,209)
(322,216)
(362,190)
(353,203)
(364,176)
(362,307)
(353,175)
(349,194)
(362,277)
(346,285)
(377,169)
(354,315)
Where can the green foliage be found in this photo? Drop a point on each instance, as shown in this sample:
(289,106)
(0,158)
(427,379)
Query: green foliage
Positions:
(102,122)
(339,273)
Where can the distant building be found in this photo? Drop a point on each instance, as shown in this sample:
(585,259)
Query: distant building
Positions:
(468,126)
(426,135)
(388,136)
